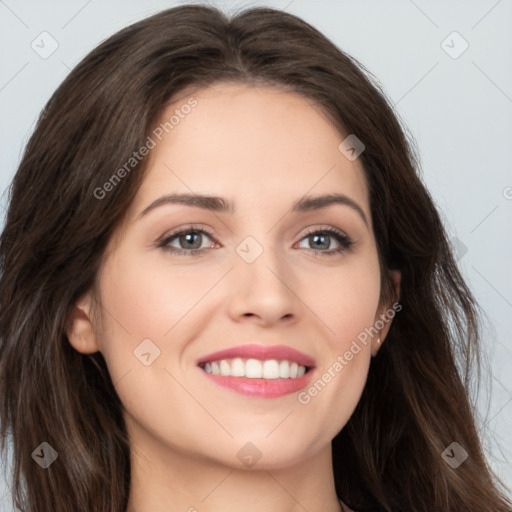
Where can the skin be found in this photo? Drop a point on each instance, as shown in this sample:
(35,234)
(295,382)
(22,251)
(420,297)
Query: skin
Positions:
(263,149)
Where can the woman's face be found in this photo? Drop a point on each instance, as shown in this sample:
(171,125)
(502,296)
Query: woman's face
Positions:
(264,273)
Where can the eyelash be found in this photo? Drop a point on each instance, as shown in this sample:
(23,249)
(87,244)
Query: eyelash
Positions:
(345,242)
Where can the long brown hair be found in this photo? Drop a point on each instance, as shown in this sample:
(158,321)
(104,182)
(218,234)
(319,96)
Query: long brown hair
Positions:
(416,400)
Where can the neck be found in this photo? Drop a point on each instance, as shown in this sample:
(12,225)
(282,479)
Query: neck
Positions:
(166,479)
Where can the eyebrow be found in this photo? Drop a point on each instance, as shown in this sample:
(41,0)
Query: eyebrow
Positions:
(221,205)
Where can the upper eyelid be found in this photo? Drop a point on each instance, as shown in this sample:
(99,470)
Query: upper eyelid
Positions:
(209,231)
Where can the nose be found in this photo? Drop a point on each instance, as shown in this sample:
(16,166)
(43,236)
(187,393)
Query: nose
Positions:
(262,291)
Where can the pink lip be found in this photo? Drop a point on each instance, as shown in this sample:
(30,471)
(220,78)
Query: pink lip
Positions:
(264,388)
(260,352)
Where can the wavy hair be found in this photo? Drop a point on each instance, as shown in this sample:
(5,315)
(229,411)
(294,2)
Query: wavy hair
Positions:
(416,401)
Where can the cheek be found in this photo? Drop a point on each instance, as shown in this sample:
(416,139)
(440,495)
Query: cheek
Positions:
(148,300)
(155,302)
(347,299)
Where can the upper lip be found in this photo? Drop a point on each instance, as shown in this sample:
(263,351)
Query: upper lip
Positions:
(261,352)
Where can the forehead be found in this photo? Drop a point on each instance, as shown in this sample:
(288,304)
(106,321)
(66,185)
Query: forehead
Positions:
(253,145)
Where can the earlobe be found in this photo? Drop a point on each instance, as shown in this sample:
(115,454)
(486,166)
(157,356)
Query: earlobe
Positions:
(385,316)
(79,328)
(396,275)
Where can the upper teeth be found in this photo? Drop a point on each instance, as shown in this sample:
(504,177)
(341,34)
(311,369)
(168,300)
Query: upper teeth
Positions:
(255,369)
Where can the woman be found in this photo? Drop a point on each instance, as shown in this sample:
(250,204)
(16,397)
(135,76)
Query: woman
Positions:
(174,333)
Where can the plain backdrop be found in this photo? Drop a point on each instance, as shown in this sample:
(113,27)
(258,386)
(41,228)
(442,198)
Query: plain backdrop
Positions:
(446,68)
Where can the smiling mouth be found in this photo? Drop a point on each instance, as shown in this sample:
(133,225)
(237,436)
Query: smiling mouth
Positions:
(250,368)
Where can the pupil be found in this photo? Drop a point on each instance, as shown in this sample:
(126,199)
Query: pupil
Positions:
(188,238)
(316,237)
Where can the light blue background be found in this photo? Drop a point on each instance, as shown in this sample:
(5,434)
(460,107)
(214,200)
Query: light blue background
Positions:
(459,110)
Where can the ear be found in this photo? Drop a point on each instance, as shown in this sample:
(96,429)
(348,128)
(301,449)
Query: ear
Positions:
(385,314)
(79,328)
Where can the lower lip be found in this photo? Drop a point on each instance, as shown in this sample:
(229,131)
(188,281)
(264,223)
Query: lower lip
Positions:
(266,388)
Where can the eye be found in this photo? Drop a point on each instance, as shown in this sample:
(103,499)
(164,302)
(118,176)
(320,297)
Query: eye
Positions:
(189,241)
(321,239)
